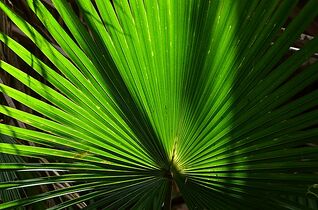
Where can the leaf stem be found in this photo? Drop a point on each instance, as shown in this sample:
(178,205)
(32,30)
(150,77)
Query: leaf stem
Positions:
(167,202)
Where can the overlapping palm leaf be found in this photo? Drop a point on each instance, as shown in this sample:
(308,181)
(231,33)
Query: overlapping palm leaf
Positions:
(9,176)
(150,94)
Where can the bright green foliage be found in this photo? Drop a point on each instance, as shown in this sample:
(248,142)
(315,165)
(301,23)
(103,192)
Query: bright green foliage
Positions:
(8,176)
(154,92)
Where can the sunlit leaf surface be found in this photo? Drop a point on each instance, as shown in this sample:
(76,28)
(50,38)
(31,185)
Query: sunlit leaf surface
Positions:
(150,99)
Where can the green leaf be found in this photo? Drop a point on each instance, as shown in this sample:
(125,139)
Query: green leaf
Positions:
(144,100)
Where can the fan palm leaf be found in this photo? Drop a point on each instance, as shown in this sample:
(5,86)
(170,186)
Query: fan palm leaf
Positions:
(9,175)
(146,98)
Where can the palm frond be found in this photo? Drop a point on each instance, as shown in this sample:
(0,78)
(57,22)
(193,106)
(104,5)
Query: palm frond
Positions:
(147,95)
(9,176)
